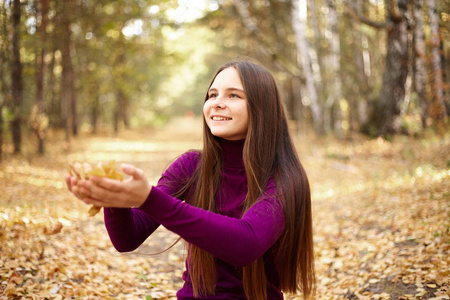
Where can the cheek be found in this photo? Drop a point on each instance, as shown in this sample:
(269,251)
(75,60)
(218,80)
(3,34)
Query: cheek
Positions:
(205,109)
(245,116)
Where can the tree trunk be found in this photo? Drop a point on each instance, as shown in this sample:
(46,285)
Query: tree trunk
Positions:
(54,107)
(420,70)
(120,107)
(317,62)
(437,110)
(335,68)
(299,26)
(73,103)
(358,105)
(2,99)
(39,127)
(67,108)
(4,54)
(94,112)
(16,78)
(386,115)
(288,88)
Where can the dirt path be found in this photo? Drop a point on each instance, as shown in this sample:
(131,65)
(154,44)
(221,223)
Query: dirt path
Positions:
(381,216)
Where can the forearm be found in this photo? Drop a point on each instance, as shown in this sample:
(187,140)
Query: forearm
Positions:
(128,228)
(236,241)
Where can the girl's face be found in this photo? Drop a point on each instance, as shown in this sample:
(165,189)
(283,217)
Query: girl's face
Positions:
(225,111)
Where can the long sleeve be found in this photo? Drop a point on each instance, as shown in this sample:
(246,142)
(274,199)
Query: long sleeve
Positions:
(128,228)
(236,241)
(234,238)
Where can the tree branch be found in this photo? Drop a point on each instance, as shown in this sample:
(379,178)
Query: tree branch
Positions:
(250,24)
(363,19)
(395,13)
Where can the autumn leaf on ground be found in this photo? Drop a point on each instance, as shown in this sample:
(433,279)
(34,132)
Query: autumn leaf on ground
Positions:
(53,229)
(381,214)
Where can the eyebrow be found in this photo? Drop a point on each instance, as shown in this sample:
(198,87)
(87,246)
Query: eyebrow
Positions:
(228,89)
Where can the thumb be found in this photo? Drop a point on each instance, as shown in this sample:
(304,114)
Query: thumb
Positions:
(132,171)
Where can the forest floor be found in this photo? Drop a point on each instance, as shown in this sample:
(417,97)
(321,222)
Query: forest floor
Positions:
(381,212)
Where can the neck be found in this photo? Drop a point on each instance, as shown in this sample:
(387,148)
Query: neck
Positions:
(233,153)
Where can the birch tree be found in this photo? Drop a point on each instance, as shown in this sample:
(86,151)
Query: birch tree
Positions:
(335,95)
(420,70)
(299,23)
(358,106)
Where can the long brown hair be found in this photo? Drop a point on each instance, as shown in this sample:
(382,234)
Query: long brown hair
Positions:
(268,152)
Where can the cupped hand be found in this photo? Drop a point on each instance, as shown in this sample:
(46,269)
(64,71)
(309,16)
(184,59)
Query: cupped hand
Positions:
(71,182)
(105,192)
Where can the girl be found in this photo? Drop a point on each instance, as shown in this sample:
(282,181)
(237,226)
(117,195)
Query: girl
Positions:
(242,204)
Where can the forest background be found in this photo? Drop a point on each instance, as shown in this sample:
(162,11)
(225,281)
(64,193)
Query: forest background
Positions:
(370,66)
(365,85)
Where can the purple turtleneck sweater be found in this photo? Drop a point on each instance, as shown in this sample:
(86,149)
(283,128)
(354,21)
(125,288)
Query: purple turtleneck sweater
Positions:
(235,240)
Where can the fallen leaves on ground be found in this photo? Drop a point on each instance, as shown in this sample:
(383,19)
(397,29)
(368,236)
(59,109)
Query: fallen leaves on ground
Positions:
(381,216)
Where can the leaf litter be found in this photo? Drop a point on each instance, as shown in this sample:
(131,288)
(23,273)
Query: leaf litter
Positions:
(381,220)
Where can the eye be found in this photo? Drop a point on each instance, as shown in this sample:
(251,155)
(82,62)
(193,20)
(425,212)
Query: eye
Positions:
(212,95)
(234,96)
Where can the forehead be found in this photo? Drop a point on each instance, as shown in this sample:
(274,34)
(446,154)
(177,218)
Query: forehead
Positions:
(227,78)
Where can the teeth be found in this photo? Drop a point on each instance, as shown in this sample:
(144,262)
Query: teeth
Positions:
(220,118)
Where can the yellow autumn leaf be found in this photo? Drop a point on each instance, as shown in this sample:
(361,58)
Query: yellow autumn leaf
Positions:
(84,170)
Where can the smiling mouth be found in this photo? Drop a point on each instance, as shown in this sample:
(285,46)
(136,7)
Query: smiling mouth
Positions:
(216,118)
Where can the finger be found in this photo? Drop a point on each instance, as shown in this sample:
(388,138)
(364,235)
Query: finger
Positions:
(96,192)
(132,171)
(91,201)
(73,181)
(105,183)
(68,182)
(74,186)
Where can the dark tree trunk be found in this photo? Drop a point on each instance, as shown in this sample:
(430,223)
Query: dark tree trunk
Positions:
(1,128)
(121,112)
(67,105)
(54,108)
(40,67)
(4,54)
(73,105)
(290,99)
(16,78)
(94,113)
(386,115)
(120,107)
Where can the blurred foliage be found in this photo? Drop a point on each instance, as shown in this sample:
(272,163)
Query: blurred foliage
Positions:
(140,62)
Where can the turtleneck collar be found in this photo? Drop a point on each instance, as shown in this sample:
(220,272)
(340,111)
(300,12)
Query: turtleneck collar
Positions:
(233,153)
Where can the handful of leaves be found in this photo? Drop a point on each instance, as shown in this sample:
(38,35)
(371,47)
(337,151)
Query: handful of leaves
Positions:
(83,170)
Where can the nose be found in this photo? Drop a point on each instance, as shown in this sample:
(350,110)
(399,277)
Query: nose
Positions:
(218,103)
